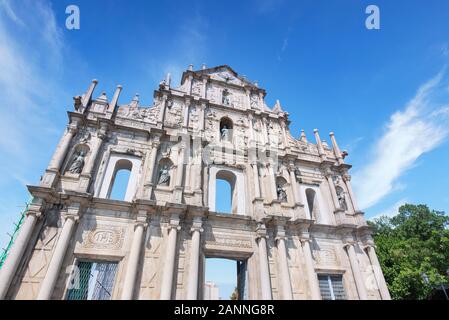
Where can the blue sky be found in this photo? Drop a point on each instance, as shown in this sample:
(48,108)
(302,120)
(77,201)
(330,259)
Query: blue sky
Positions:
(385,93)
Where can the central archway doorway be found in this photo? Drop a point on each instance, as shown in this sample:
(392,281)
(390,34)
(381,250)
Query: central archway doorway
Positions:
(225,279)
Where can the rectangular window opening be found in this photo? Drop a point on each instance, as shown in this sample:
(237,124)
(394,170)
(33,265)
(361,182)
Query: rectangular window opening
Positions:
(92,280)
(331,287)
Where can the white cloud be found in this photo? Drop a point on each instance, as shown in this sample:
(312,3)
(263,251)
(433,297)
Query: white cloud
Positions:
(391,211)
(5,5)
(188,46)
(267,6)
(28,81)
(419,128)
(31,64)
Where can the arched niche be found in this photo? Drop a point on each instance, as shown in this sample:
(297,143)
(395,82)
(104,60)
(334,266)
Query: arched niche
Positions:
(77,159)
(281,189)
(226,129)
(164,174)
(312,204)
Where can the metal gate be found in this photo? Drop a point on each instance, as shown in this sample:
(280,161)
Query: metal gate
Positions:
(92,281)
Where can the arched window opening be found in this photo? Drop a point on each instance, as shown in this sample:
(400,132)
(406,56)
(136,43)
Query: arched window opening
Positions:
(281,189)
(312,203)
(164,172)
(225,193)
(224,196)
(226,127)
(120,180)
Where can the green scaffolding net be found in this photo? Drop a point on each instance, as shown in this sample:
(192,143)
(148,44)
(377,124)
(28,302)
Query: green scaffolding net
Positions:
(13,236)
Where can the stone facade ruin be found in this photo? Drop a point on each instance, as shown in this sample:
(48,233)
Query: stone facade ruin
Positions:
(294,226)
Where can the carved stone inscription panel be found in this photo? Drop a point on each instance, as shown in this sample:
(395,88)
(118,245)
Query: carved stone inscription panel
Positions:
(102,237)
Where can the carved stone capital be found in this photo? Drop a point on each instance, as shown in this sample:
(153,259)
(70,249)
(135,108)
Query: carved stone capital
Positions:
(327,171)
(72,128)
(348,244)
(261,231)
(280,237)
(174,222)
(73,211)
(38,214)
(197,225)
(75,217)
(141,219)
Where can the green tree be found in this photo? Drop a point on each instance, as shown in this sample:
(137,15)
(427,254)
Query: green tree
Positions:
(235,294)
(414,242)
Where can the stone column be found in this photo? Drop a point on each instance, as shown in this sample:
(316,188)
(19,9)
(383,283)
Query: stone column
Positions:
(261,102)
(201,116)
(265,283)
(97,141)
(54,267)
(186,113)
(163,106)
(88,94)
(272,181)
(196,163)
(296,195)
(347,180)
(114,101)
(337,151)
(284,134)
(356,272)
(177,193)
(251,129)
(383,289)
(169,265)
(321,152)
(7,272)
(257,192)
(204,89)
(283,264)
(247,98)
(189,83)
(96,144)
(192,285)
(312,278)
(134,256)
(63,146)
(328,173)
(264,131)
(150,159)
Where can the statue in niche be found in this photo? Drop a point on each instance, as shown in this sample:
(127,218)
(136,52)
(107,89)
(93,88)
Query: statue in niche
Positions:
(225,133)
(226,98)
(342,198)
(164,176)
(297,172)
(77,103)
(282,195)
(254,101)
(78,163)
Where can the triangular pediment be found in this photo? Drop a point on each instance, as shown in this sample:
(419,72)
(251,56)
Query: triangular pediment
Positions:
(226,74)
